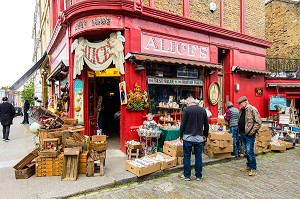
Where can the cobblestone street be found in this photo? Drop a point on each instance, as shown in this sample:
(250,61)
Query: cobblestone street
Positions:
(278,177)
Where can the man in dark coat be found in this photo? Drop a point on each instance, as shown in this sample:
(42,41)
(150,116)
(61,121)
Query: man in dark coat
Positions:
(193,131)
(26,108)
(7,113)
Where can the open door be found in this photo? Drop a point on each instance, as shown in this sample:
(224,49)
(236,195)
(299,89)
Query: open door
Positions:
(92,113)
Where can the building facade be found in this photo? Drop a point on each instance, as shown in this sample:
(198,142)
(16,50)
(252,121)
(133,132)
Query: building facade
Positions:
(283,57)
(150,50)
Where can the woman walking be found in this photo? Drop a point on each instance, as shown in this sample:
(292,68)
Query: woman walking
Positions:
(7,113)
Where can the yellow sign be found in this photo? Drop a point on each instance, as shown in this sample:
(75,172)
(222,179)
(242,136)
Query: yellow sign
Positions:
(109,72)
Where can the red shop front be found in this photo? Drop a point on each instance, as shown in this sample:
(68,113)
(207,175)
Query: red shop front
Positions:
(163,54)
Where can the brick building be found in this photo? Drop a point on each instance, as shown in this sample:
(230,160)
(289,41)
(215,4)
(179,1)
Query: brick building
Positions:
(283,57)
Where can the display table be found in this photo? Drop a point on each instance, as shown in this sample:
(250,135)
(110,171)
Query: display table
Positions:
(167,135)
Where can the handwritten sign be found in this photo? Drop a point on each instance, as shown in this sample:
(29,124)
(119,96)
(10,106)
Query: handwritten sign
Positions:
(277,101)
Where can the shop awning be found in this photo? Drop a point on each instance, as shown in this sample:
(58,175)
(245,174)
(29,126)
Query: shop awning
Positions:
(59,72)
(249,70)
(20,82)
(284,85)
(154,58)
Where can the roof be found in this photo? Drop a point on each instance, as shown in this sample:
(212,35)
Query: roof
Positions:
(249,70)
(20,82)
(163,59)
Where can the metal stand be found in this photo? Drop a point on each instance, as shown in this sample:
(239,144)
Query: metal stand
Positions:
(149,144)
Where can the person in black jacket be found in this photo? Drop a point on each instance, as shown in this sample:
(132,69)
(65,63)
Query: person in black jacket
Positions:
(26,108)
(7,113)
(193,131)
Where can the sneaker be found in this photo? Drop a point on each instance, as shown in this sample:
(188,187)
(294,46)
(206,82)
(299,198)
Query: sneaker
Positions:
(181,176)
(244,169)
(7,139)
(252,173)
(199,179)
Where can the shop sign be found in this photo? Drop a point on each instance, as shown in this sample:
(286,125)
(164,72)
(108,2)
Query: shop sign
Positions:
(96,22)
(99,55)
(173,47)
(277,101)
(173,81)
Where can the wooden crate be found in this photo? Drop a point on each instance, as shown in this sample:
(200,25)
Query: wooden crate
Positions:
(70,165)
(26,172)
(98,146)
(70,121)
(27,159)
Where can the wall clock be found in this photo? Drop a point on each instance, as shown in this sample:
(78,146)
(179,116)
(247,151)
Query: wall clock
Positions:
(214,93)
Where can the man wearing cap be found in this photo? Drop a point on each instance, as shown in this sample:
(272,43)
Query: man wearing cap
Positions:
(231,116)
(249,123)
(193,130)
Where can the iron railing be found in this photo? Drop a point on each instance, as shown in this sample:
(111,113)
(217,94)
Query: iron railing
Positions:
(283,67)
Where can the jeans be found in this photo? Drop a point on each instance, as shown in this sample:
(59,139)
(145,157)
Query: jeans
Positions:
(187,151)
(6,129)
(248,144)
(235,137)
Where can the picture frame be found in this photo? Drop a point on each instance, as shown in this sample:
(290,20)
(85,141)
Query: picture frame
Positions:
(259,92)
(123,94)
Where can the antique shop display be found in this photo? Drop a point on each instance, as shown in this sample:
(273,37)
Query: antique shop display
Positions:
(45,118)
(149,133)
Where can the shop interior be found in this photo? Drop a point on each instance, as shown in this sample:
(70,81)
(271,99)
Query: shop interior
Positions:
(108,108)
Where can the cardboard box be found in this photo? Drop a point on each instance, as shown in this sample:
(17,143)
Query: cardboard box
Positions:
(179,160)
(264,133)
(177,152)
(263,144)
(277,148)
(220,135)
(169,161)
(141,171)
(216,150)
(170,144)
(222,122)
(99,138)
(264,138)
(287,145)
(218,155)
(263,128)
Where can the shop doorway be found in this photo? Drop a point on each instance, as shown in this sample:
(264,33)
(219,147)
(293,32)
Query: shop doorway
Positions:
(104,108)
(108,102)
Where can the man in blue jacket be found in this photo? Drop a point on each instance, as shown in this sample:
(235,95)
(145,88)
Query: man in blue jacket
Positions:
(193,131)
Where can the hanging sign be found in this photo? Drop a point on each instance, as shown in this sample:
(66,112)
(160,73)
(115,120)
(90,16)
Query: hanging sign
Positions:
(78,100)
(277,101)
(99,56)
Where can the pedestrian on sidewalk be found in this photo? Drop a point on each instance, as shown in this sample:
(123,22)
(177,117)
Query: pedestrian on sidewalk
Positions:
(7,113)
(249,124)
(193,131)
(232,116)
(26,109)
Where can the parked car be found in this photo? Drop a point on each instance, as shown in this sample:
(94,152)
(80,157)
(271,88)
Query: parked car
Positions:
(18,111)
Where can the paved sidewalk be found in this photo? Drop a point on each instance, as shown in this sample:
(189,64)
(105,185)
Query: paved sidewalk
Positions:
(51,187)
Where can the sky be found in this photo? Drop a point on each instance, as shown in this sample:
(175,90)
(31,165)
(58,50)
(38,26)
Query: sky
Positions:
(16,38)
